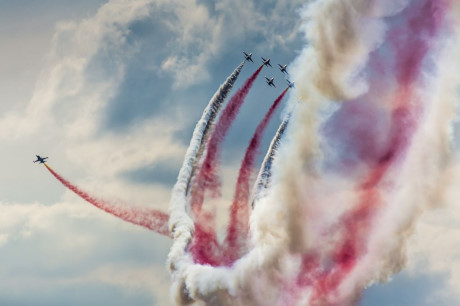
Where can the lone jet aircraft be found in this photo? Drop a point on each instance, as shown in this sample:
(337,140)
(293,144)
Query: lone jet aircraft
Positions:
(41,160)
(248,57)
(270,81)
(290,84)
(266,62)
(283,68)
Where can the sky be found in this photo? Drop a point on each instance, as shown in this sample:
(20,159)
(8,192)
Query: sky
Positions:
(111,91)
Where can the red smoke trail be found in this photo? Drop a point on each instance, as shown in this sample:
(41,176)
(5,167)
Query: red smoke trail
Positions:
(154,220)
(207,178)
(237,231)
(205,247)
(356,225)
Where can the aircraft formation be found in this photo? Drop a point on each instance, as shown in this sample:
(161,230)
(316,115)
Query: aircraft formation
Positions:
(266,62)
(248,58)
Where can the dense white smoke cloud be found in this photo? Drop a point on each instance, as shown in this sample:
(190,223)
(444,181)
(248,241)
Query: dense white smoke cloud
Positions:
(181,230)
(367,187)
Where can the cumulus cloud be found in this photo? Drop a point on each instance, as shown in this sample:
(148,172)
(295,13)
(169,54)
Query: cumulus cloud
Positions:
(203,31)
(70,246)
(88,62)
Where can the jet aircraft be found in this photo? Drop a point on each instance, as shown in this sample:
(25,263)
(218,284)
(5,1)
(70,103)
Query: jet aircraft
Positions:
(283,68)
(40,160)
(266,62)
(290,84)
(270,81)
(248,57)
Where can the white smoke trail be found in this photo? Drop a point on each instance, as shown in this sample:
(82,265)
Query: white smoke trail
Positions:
(427,172)
(343,34)
(180,223)
(420,184)
(263,180)
(210,115)
(269,235)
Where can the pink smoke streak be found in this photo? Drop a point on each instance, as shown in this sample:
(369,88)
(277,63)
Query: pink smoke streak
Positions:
(205,247)
(207,178)
(151,219)
(237,232)
(411,47)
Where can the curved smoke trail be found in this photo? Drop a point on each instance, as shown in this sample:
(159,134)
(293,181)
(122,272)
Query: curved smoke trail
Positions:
(196,147)
(210,114)
(207,178)
(384,154)
(263,179)
(238,229)
(151,219)
(180,223)
(205,247)
(349,185)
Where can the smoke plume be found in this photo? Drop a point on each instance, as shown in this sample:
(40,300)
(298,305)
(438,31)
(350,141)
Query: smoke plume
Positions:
(263,180)
(363,157)
(210,115)
(207,178)
(151,219)
(237,232)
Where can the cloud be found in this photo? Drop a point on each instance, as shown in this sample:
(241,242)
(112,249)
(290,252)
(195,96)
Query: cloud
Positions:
(64,82)
(103,101)
(85,67)
(205,30)
(161,172)
(52,249)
